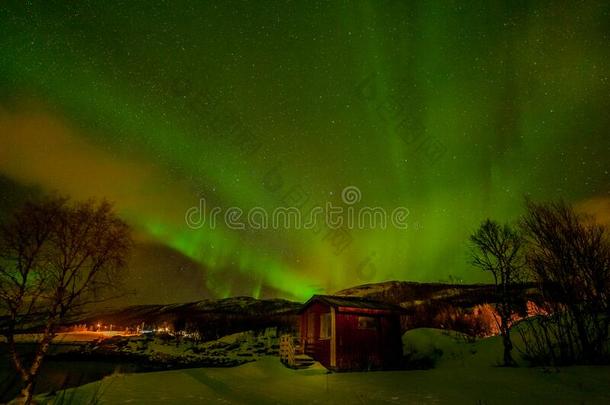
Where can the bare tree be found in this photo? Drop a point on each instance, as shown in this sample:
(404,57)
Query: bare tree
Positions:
(55,258)
(497,250)
(569,256)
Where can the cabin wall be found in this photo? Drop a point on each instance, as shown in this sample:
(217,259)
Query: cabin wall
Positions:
(374,343)
(370,346)
(391,349)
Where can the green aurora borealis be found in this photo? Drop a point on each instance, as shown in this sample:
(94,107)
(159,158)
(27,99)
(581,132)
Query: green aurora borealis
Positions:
(455,110)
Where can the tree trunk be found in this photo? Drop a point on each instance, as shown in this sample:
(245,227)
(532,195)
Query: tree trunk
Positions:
(505,331)
(15,357)
(29,375)
(27,392)
(508,344)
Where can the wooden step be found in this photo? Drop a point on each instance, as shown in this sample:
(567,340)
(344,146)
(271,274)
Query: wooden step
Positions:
(303,361)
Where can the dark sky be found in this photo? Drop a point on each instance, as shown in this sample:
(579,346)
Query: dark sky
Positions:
(454,110)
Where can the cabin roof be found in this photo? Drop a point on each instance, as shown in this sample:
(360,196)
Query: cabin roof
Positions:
(350,302)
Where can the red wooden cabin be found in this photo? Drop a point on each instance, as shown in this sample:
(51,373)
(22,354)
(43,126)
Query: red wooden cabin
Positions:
(351,333)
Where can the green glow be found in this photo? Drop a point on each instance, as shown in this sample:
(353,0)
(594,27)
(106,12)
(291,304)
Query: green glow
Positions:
(516,94)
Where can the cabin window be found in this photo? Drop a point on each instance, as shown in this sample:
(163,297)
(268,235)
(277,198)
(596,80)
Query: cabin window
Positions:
(325,325)
(366,322)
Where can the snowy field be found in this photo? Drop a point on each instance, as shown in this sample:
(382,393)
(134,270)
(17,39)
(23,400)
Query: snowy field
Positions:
(268,382)
(465,373)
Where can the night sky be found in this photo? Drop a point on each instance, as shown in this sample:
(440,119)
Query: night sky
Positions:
(455,110)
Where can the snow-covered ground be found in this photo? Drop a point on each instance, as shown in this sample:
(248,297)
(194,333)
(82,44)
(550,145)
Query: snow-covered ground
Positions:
(464,373)
(268,382)
(230,350)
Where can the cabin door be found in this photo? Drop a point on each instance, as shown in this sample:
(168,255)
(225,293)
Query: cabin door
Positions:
(311,327)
